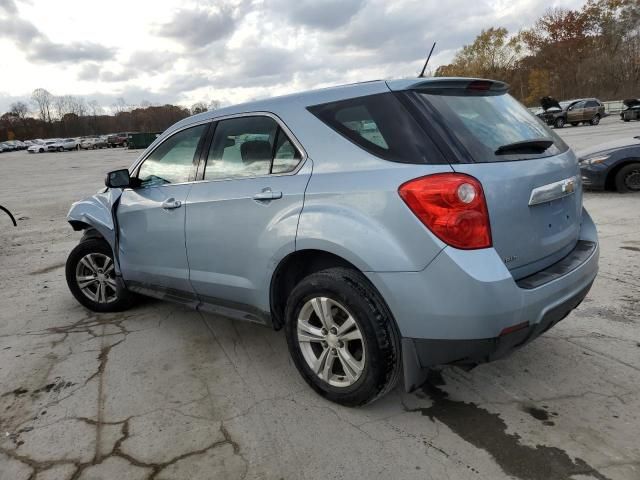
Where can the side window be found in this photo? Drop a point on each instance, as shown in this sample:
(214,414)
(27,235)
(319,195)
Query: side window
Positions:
(172,160)
(359,120)
(578,105)
(287,157)
(592,103)
(246,147)
(381,125)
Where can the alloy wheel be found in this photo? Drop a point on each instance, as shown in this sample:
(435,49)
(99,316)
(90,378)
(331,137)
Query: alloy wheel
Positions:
(95,276)
(331,341)
(632,180)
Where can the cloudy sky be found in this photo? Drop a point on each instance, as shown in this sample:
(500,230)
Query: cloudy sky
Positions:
(231,50)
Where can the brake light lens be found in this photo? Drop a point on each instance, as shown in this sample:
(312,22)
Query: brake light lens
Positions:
(452,206)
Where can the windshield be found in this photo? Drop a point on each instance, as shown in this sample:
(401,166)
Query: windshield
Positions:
(485,122)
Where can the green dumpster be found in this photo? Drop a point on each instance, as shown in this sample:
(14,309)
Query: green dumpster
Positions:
(142,140)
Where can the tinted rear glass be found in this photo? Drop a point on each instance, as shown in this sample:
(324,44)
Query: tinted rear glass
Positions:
(380,125)
(484,122)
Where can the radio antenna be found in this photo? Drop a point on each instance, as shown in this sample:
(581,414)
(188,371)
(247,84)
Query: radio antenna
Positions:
(427,62)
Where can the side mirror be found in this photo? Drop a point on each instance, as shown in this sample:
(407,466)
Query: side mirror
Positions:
(118,179)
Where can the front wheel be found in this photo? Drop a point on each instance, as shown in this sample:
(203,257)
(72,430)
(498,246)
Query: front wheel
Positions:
(91,277)
(342,338)
(595,120)
(628,178)
(559,122)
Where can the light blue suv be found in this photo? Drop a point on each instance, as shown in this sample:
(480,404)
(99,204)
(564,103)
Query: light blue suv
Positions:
(389,227)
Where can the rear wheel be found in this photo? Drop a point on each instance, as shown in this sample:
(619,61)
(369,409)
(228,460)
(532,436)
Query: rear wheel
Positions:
(124,144)
(628,178)
(41,150)
(90,274)
(341,337)
(559,122)
(575,124)
(595,120)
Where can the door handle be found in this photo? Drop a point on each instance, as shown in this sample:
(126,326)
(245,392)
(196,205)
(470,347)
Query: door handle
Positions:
(171,203)
(266,195)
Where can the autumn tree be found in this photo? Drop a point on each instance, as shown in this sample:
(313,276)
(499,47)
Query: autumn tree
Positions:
(492,54)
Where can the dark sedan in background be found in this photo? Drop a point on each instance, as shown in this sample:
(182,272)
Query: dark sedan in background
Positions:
(612,166)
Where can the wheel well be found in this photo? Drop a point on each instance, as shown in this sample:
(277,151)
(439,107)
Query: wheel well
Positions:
(610,181)
(294,268)
(89,231)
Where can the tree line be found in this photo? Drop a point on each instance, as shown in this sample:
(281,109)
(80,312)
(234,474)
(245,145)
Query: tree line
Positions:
(593,51)
(72,116)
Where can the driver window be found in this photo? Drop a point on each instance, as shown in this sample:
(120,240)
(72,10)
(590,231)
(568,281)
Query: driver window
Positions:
(172,160)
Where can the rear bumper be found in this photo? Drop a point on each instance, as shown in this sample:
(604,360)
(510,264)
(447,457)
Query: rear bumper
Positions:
(456,310)
(472,352)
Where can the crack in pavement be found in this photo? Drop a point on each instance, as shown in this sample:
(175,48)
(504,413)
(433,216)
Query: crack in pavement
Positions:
(38,466)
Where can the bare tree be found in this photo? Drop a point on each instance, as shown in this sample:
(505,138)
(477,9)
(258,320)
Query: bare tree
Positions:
(77,106)
(19,109)
(42,99)
(61,106)
(94,108)
(198,107)
(120,106)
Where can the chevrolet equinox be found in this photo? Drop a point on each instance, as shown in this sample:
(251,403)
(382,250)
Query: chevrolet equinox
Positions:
(387,227)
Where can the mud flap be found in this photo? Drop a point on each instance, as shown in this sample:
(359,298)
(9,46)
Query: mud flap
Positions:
(413,374)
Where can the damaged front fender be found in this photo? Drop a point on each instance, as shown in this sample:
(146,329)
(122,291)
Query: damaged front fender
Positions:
(98,212)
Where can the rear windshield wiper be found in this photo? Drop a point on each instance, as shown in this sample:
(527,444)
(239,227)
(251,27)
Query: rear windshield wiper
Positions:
(537,145)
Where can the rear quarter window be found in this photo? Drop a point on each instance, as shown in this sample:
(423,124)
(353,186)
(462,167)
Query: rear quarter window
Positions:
(380,125)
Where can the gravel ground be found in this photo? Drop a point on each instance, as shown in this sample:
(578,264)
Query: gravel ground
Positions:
(164,392)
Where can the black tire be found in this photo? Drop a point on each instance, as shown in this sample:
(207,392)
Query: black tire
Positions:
(124,298)
(124,144)
(41,150)
(559,122)
(575,124)
(595,120)
(626,119)
(628,178)
(381,339)
(60,149)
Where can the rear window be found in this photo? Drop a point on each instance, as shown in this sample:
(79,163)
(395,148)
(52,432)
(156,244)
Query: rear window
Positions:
(484,121)
(380,125)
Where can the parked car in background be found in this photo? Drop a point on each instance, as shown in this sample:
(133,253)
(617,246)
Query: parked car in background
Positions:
(64,144)
(266,212)
(93,143)
(119,139)
(16,144)
(574,112)
(5,147)
(612,166)
(632,110)
(41,147)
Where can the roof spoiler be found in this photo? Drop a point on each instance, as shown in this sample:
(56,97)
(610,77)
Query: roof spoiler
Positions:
(444,84)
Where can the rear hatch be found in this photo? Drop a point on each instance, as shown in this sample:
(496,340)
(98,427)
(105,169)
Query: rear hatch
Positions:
(530,177)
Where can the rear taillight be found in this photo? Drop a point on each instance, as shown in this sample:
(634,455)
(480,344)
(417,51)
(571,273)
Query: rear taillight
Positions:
(452,206)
